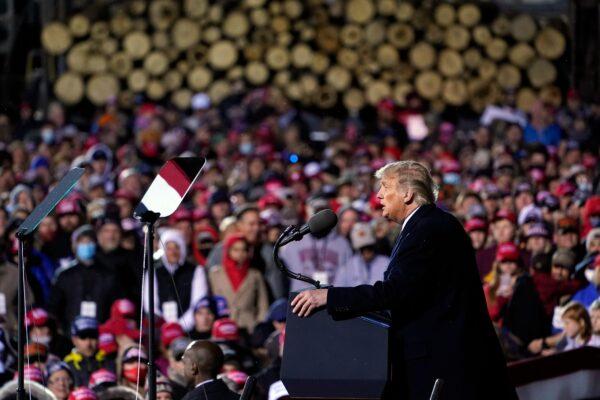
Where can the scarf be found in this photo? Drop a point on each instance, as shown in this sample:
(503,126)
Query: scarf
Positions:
(236,273)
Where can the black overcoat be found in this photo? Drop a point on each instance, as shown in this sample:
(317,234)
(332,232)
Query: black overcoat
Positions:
(440,325)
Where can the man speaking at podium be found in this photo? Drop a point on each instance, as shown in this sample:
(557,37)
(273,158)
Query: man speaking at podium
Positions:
(440,326)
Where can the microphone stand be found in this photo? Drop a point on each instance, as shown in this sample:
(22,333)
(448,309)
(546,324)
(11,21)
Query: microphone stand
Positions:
(21,237)
(292,275)
(149,219)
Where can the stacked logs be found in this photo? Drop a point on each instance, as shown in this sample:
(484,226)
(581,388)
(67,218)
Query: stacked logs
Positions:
(320,53)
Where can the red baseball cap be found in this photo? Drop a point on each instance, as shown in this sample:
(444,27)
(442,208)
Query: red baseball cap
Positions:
(121,326)
(169,332)
(102,377)
(125,194)
(268,200)
(225,329)
(32,373)
(200,214)
(83,393)
(450,165)
(507,252)
(505,214)
(67,206)
(107,342)
(238,377)
(36,317)
(134,353)
(565,189)
(386,104)
(122,308)
(374,202)
(476,224)
(182,214)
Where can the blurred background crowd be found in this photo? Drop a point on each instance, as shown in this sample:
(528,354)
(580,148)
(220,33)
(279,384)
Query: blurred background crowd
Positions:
(524,184)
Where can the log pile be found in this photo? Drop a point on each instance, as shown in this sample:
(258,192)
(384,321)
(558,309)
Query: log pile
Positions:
(320,53)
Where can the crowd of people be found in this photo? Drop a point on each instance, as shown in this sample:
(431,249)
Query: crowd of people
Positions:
(524,184)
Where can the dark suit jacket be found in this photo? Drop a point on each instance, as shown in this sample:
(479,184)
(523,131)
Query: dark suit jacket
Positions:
(440,325)
(215,390)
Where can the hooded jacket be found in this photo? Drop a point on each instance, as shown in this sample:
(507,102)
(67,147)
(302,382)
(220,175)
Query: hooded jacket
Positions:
(181,284)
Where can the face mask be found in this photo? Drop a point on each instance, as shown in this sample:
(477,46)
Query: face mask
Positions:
(86,251)
(47,136)
(246,148)
(130,372)
(589,275)
(537,174)
(45,340)
(452,178)
(584,186)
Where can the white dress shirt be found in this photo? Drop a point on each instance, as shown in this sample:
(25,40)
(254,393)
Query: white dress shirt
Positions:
(202,383)
(407,218)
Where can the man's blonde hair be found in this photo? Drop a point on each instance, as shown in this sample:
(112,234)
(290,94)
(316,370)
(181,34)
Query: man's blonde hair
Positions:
(413,175)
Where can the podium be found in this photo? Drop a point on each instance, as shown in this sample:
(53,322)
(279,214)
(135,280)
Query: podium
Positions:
(328,359)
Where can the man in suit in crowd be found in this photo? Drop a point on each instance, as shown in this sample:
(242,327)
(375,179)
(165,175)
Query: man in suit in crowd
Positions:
(440,326)
(202,361)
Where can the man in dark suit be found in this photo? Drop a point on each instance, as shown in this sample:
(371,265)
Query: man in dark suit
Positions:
(202,361)
(440,325)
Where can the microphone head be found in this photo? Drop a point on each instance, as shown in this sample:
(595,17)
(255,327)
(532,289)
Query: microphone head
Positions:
(322,223)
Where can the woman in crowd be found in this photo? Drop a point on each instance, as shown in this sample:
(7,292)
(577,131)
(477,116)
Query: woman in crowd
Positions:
(512,300)
(133,368)
(59,379)
(179,285)
(242,285)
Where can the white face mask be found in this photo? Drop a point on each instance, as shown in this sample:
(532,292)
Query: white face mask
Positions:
(45,340)
(589,275)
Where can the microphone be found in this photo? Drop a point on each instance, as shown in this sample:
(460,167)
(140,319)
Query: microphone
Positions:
(319,225)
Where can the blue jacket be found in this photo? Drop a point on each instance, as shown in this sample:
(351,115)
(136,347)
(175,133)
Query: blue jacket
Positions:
(549,136)
(587,295)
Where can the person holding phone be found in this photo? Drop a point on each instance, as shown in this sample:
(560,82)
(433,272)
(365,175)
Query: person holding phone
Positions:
(512,300)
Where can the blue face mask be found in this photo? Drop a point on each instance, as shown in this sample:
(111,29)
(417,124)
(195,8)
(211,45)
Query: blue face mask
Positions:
(246,148)
(86,251)
(47,136)
(452,178)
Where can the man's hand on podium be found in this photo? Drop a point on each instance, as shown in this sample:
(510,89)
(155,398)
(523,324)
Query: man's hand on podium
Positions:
(305,302)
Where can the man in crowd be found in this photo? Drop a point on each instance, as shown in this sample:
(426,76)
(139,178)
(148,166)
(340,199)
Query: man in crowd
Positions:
(202,363)
(317,258)
(85,287)
(85,358)
(125,264)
